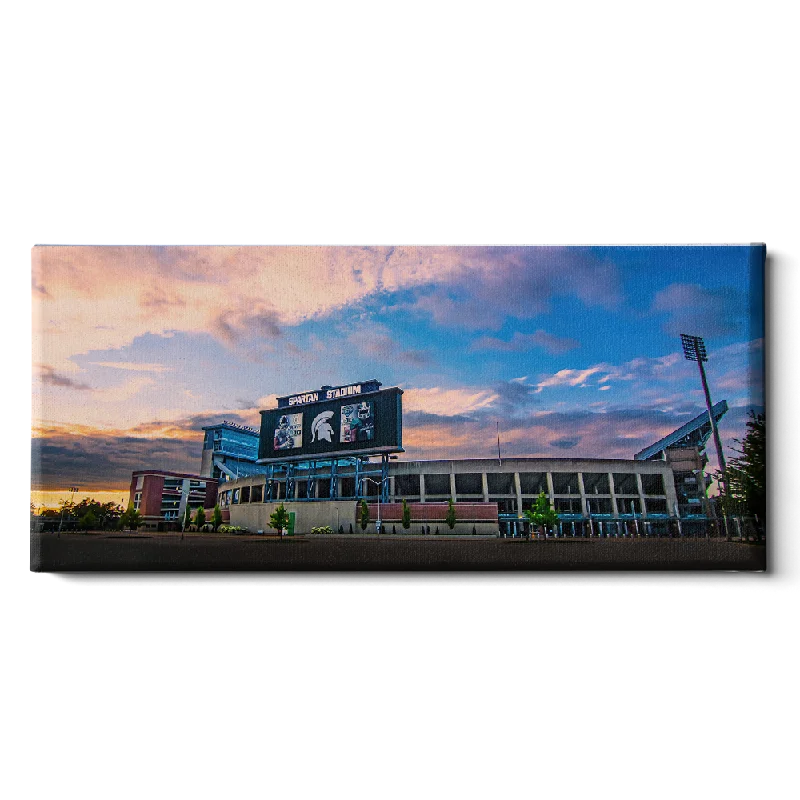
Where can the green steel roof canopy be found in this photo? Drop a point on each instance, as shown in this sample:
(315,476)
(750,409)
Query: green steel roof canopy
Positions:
(694,433)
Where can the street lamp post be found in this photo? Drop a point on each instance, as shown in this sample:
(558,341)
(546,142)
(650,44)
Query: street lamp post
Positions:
(379,484)
(72,490)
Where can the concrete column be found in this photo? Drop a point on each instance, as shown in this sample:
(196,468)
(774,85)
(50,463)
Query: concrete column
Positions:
(485,487)
(391,490)
(582,490)
(518,492)
(642,505)
(614,509)
(453,486)
(550,491)
(708,508)
(421,487)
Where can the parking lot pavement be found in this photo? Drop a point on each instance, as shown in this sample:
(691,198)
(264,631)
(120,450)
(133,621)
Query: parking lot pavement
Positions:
(159,552)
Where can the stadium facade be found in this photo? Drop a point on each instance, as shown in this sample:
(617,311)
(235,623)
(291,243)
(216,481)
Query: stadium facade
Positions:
(321,452)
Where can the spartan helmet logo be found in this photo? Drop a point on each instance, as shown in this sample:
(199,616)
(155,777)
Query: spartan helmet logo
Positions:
(321,428)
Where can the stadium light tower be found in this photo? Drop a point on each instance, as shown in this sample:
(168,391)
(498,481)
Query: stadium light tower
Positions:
(694,349)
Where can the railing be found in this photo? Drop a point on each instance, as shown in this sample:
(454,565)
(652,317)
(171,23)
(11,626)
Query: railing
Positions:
(729,528)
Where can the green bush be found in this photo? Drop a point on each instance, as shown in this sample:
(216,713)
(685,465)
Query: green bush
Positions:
(232,529)
(322,529)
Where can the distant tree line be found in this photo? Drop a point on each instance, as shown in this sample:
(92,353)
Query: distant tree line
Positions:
(89,514)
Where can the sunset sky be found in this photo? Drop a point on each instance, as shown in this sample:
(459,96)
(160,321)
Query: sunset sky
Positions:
(576,351)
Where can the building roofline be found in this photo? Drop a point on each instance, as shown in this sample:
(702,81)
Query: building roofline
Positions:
(173,474)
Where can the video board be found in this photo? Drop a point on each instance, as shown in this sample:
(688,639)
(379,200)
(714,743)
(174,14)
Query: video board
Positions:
(352,424)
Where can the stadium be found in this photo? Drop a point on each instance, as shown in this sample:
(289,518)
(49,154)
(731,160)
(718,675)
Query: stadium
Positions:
(321,452)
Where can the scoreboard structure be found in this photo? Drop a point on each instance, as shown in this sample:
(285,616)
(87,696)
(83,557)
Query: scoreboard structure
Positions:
(358,419)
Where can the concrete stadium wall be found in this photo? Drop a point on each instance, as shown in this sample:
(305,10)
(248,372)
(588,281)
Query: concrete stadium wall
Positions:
(255,517)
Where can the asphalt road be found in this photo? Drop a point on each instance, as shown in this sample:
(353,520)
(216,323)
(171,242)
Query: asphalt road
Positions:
(158,552)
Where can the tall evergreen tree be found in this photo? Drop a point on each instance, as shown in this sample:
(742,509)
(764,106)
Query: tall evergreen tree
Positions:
(406,519)
(450,519)
(746,474)
(364,517)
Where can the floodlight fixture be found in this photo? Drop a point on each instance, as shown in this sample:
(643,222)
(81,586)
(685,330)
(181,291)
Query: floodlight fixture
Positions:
(694,348)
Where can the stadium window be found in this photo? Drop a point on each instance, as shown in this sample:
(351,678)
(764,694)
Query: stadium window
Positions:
(469,483)
(625,483)
(500,482)
(566,483)
(596,483)
(437,484)
(652,484)
(406,486)
(533,482)
(656,506)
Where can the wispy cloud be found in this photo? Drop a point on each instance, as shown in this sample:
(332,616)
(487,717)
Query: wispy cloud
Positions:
(447,402)
(50,377)
(521,342)
(132,366)
(692,308)
(569,377)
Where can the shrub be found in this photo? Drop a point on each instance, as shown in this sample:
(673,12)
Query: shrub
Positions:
(450,519)
(322,529)
(88,521)
(406,515)
(232,529)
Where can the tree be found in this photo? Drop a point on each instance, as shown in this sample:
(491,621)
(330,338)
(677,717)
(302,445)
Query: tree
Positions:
(406,519)
(108,515)
(216,518)
(67,514)
(364,516)
(745,475)
(542,515)
(450,519)
(279,519)
(88,521)
(131,518)
(200,518)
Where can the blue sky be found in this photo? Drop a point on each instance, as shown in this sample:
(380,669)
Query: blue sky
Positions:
(575,351)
